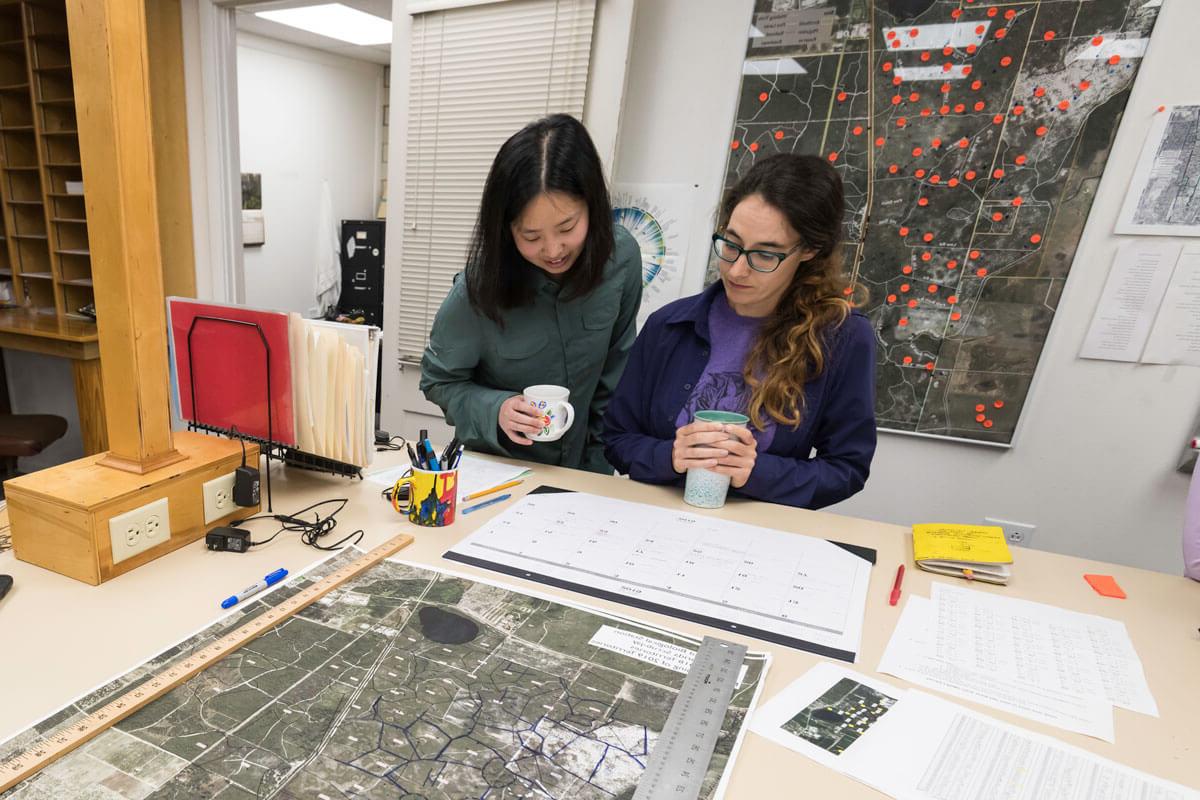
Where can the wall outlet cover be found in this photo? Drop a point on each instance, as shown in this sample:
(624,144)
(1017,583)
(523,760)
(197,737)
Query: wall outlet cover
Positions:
(139,529)
(1018,533)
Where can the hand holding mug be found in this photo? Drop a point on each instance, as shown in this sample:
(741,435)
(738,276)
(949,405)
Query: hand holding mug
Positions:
(699,445)
(742,452)
(519,420)
(554,411)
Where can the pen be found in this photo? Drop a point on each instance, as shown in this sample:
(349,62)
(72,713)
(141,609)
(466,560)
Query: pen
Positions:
(487,503)
(412,454)
(272,579)
(458,454)
(896,586)
(449,451)
(486,492)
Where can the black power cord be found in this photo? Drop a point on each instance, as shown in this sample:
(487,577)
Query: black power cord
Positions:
(311,531)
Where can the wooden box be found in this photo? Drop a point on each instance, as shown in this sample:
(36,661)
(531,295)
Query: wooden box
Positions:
(60,515)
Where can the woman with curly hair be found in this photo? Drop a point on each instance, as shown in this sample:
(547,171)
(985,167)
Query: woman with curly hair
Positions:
(775,339)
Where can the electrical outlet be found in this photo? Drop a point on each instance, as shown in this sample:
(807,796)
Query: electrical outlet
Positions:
(139,529)
(1018,533)
(218,498)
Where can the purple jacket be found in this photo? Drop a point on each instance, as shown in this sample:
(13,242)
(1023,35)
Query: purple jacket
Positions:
(1191,527)
(838,422)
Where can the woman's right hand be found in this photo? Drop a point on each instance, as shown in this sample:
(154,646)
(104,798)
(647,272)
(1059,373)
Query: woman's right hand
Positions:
(699,445)
(518,420)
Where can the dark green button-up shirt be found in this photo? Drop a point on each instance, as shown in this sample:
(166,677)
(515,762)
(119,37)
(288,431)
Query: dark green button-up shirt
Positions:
(472,365)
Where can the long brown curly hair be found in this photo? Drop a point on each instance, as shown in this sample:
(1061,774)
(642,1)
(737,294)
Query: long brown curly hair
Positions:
(790,348)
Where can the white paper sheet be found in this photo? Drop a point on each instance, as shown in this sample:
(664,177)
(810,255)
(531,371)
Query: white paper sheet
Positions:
(915,746)
(911,655)
(824,712)
(1163,197)
(1039,645)
(1175,337)
(474,474)
(1139,276)
(926,748)
(796,590)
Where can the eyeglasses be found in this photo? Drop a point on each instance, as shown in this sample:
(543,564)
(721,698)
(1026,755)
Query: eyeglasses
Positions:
(758,260)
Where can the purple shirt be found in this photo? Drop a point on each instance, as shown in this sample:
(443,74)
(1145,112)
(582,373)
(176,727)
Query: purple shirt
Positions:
(721,386)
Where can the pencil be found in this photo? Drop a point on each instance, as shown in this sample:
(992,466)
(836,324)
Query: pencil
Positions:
(493,490)
(486,503)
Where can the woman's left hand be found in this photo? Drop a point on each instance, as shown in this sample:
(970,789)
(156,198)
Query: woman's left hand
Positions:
(743,451)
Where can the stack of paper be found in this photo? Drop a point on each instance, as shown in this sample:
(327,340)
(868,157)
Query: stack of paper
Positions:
(335,397)
(1041,662)
(909,744)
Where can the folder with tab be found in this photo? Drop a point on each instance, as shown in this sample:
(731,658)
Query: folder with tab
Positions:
(974,552)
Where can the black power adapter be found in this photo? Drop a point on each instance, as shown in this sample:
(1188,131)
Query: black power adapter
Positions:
(246,486)
(227,540)
(246,481)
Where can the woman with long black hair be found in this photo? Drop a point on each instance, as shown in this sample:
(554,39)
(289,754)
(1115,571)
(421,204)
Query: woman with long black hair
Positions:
(549,296)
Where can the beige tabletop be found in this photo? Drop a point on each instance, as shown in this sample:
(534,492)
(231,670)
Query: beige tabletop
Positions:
(60,638)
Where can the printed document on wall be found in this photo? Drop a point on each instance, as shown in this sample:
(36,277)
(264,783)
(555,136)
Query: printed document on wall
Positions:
(1132,296)
(1164,195)
(1175,337)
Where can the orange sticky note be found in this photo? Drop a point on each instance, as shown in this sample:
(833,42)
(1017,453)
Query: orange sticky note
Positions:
(1105,585)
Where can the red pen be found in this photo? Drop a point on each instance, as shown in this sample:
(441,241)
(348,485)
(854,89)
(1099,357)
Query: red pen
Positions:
(896,586)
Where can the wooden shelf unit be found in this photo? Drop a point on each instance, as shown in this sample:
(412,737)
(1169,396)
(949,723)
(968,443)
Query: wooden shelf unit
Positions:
(45,248)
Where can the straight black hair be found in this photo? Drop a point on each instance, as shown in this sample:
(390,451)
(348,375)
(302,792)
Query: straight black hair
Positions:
(554,154)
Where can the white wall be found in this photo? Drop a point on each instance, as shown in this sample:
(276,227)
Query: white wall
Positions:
(304,116)
(1093,464)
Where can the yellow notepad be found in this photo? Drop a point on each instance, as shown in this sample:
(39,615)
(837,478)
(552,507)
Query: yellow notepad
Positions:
(977,552)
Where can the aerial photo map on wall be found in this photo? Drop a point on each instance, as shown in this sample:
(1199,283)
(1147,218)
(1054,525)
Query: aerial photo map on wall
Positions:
(971,137)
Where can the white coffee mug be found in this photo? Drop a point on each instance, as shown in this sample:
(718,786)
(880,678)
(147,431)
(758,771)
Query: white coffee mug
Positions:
(550,402)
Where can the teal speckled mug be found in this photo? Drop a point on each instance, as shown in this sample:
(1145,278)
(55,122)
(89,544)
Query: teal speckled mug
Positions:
(705,488)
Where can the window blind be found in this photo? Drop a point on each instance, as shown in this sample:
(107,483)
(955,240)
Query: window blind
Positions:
(477,75)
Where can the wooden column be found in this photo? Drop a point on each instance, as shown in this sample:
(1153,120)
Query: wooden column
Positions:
(89,399)
(111,66)
(168,106)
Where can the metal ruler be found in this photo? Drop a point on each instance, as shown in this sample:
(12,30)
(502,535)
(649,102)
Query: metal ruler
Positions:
(679,760)
(67,739)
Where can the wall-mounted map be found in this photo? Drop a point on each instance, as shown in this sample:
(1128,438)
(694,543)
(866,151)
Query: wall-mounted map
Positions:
(971,137)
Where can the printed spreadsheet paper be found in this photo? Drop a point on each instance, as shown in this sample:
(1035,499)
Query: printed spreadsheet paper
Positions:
(1007,638)
(796,590)
(914,746)
(912,655)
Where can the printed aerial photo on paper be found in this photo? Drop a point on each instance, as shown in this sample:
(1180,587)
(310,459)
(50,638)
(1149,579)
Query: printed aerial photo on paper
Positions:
(836,719)
(971,137)
(402,683)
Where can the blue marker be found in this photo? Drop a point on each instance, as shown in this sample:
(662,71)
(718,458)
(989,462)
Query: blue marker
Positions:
(431,457)
(272,579)
(487,503)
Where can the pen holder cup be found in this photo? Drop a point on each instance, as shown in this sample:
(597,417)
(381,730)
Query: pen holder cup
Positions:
(432,497)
